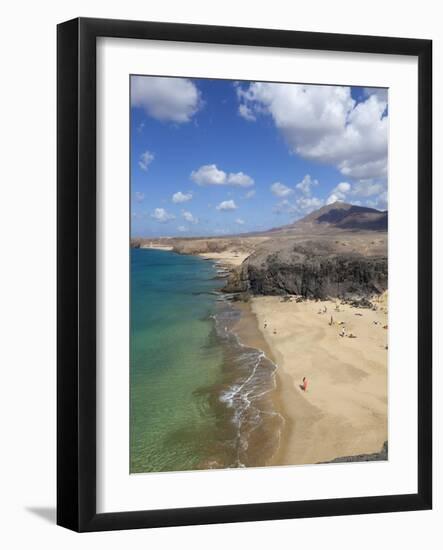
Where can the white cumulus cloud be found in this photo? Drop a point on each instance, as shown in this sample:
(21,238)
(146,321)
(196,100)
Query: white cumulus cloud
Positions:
(209,174)
(167,99)
(240,179)
(305,184)
(145,160)
(181,197)
(245,112)
(325,124)
(139,196)
(239,221)
(162,216)
(280,189)
(226,205)
(333,198)
(308,204)
(343,187)
(339,192)
(189,217)
(250,194)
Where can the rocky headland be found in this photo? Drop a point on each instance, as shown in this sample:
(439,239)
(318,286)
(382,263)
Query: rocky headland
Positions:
(339,251)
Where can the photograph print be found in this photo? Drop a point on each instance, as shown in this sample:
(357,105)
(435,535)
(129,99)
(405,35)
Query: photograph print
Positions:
(259,274)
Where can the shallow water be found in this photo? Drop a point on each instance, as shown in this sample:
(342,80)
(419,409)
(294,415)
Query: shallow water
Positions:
(199,398)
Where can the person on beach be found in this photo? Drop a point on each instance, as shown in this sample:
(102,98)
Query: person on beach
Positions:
(304,385)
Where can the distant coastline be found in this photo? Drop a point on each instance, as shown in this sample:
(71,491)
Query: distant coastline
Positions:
(154,246)
(312,297)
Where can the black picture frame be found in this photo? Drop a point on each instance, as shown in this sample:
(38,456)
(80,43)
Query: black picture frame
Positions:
(76,280)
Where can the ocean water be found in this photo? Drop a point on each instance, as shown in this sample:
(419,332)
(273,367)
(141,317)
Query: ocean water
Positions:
(198,398)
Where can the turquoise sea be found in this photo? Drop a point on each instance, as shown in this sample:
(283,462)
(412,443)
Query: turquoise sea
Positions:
(198,398)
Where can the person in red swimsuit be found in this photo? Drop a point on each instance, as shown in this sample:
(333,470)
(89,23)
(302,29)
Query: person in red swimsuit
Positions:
(304,385)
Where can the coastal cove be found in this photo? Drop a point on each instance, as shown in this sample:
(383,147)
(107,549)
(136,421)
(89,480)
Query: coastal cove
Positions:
(200,397)
(215,383)
(295,324)
(343,415)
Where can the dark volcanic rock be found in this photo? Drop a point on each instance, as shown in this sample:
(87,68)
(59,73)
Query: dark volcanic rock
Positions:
(382,455)
(339,251)
(314,274)
(237,282)
(361,303)
(340,215)
(337,218)
(355,217)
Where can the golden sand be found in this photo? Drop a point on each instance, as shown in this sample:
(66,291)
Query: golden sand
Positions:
(228,257)
(344,410)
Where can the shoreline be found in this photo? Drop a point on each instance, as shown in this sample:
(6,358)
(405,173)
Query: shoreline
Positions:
(249,334)
(344,411)
(333,420)
(228,259)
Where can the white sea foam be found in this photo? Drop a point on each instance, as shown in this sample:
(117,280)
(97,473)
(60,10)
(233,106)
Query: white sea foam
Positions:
(246,395)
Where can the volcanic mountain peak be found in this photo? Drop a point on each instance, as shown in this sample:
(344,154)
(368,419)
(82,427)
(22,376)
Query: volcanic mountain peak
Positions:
(341,216)
(338,211)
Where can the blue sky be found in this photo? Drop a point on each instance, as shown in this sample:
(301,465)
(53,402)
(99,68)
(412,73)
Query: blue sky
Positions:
(216,157)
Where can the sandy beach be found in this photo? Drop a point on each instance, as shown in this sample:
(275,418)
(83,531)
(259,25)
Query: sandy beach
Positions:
(157,247)
(344,410)
(227,257)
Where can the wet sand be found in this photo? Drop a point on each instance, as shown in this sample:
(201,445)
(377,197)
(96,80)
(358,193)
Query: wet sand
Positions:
(344,411)
(248,331)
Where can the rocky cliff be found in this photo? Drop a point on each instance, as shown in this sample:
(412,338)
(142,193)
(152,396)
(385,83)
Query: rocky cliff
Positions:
(339,250)
(318,276)
(372,457)
(313,270)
